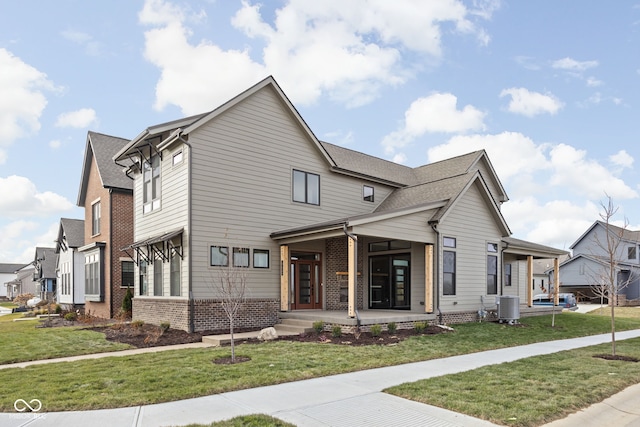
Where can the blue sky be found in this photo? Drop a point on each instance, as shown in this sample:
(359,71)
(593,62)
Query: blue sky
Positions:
(550,89)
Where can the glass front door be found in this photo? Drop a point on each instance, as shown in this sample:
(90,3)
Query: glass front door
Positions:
(389,281)
(306,281)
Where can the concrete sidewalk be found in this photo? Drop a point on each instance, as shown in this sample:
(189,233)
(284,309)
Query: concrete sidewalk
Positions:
(353,399)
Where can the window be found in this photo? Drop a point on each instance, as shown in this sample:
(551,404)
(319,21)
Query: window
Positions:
(448,273)
(65,279)
(219,256)
(151,185)
(492,247)
(507,275)
(631,252)
(389,245)
(449,242)
(174,274)
(367,193)
(127,274)
(92,275)
(306,187)
(177,158)
(241,257)
(492,275)
(95,218)
(157,277)
(260,258)
(144,281)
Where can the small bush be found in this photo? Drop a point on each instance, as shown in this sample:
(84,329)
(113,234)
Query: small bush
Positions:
(318,326)
(392,327)
(58,309)
(127,304)
(137,323)
(376,330)
(336,331)
(419,327)
(164,326)
(70,316)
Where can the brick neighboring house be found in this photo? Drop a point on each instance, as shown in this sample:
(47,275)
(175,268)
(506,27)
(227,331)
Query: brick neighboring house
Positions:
(318,229)
(106,194)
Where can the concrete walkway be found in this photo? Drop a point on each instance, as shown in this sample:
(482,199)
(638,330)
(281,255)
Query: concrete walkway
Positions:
(353,399)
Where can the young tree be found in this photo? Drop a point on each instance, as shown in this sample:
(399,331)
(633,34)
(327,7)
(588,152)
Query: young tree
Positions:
(607,281)
(230,286)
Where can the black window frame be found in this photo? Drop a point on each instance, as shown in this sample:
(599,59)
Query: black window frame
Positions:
(307,198)
(127,275)
(368,196)
(507,275)
(226,255)
(236,255)
(449,289)
(492,275)
(261,252)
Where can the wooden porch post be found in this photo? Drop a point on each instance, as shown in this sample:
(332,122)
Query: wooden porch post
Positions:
(353,274)
(529,281)
(285,259)
(556,280)
(428,278)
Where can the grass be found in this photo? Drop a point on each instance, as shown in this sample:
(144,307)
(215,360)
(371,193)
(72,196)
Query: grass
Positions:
(532,391)
(7,304)
(258,420)
(180,374)
(23,341)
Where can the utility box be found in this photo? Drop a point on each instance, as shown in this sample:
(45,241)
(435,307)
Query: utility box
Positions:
(508,309)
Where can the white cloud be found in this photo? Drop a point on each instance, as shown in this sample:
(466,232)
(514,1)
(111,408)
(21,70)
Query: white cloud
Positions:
(436,113)
(301,47)
(593,82)
(91,46)
(19,197)
(570,64)
(79,119)
(530,103)
(13,240)
(22,101)
(622,159)
(55,144)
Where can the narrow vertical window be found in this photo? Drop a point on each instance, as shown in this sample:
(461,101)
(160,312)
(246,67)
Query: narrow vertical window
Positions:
(157,277)
(448,273)
(507,275)
(492,275)
(174,274)
(367,193)
(151,184)
(143,278)
(95,218)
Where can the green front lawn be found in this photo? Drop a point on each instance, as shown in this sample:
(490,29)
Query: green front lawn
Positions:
(179,374)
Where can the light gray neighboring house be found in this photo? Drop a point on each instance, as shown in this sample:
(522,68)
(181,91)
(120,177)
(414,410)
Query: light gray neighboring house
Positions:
(24,282)
(312,225)
(8,279)
(590,260)
(70,268)
(44,262)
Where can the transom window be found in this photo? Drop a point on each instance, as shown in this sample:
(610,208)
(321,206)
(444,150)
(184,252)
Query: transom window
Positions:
(389,245)
(306,187)
(449,242)
(492,247)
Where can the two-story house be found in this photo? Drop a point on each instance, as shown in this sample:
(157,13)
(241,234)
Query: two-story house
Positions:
(584,273)
(70,269)
(44,273)
(106,196)
(8,279)
(311,225)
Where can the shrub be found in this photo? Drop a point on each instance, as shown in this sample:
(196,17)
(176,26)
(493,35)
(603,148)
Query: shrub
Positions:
(318,326)
(376,330)
(419,327)
(127,304)
(137,323)
(21,300)
(336,331)
(58,309)
(164,326)
(392,327)
(70,316)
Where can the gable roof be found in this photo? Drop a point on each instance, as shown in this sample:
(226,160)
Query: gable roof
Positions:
(103,148)
(70,234)
(628,235)
(47,259)
(9,268)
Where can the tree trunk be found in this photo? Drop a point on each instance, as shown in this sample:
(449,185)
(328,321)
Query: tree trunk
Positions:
(233,346)
(613,329)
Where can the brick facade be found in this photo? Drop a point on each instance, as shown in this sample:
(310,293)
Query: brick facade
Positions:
(336,260)
(208,314)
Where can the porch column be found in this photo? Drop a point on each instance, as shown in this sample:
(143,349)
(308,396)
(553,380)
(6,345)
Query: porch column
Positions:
(284,277)
(556,281)
(529,281)
(428,279)
(353,274)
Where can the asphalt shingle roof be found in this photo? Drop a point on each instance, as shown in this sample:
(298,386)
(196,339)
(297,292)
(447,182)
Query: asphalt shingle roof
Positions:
(104,147)
(74,231)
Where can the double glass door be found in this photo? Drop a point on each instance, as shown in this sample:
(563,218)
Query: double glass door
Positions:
(389,281)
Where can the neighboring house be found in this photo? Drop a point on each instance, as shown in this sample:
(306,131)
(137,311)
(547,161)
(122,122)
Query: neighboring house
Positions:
(106,195)
(8,279)
(70,268)
(24,282)
(313,226)
(584,270)
(44,273)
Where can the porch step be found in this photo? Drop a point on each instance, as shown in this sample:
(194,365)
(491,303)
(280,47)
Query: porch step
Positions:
(223,339)
(286,328)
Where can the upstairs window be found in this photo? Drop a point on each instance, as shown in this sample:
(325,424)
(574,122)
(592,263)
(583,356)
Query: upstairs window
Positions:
(95,218)
(151,185)
(367,193)
(306,187)
(631,252)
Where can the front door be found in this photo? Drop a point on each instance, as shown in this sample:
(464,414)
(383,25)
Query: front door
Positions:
(306,281)
(389,281)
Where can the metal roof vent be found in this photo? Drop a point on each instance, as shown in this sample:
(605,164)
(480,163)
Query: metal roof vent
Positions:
(508,309)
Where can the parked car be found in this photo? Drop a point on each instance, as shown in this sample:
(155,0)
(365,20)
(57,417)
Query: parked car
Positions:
(33,302)
(564,300)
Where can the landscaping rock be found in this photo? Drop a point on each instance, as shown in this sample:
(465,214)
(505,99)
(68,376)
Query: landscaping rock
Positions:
(267,334)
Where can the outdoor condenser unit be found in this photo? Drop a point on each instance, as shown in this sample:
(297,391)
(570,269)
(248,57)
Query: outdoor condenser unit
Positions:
(508,309)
